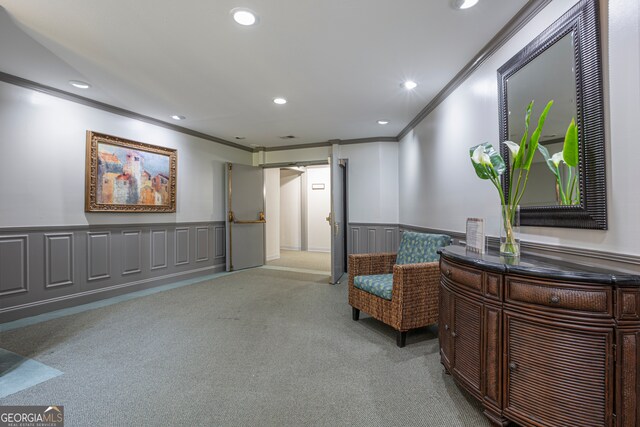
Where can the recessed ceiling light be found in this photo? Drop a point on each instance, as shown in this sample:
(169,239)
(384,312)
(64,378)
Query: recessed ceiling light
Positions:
(409,84)
(279,101)
(79,84)
(244,16)
(177,117)
(383,122)
(463,4)
(242,137)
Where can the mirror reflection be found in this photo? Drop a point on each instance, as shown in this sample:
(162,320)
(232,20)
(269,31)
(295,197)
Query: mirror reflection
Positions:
(550,76)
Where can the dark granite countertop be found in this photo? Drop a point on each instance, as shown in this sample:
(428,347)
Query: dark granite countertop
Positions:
(539,266)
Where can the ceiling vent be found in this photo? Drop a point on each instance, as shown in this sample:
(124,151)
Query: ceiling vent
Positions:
(287,137)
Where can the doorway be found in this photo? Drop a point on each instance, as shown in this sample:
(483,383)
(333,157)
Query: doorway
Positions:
(298,211)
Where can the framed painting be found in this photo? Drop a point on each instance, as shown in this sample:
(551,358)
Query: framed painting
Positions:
(129,176)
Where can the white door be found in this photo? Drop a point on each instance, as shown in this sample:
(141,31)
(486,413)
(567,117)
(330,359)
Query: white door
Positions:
(245,216)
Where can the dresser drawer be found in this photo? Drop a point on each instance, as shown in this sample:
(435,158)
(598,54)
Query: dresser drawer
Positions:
(628,304)
(560,296)
(463,276)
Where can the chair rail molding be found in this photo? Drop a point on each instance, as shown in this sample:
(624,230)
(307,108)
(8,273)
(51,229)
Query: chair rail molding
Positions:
(49,268)
(364,236)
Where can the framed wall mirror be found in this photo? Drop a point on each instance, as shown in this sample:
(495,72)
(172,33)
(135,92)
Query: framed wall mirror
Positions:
(563,64)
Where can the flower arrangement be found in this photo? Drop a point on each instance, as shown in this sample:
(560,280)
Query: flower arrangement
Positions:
(490,165)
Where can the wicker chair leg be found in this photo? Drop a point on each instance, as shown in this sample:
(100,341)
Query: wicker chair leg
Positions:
(355,313)
(401,338)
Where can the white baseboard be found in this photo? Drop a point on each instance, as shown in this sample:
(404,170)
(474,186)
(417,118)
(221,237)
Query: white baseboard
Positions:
(290,248)
(325,250)
(272,257)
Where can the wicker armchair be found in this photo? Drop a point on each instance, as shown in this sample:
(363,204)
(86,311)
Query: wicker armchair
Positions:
(399,290)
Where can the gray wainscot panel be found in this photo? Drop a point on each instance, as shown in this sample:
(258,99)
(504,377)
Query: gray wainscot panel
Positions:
(49,268)
(220,245)
(182,245)
(202,244)
(59,260)
(14,265)
(372,238)
(131,251)
(98,255)
(158,249)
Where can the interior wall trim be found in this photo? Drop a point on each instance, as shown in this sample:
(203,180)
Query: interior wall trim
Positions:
(535,247)
(359,230)
(372,237)
(292,147)
(51,269)
(288,164)
(58,93)
(329,143)
(524,15)
(530,10)
(366,140)
(591,253)
(106,226)
(59,302)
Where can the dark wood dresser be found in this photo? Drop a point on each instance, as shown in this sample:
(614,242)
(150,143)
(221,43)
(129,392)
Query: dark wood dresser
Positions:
(541,342)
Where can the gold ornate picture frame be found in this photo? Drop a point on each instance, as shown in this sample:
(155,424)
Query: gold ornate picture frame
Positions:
(129,176)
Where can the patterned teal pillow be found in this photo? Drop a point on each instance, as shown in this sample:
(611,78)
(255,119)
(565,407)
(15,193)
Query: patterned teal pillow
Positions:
(420,247)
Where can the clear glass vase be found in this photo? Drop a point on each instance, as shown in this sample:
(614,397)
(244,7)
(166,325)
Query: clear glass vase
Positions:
(510,231)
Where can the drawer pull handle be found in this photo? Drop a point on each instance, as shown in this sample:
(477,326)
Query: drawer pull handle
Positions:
(448,273)
(453,334)
(513,366)
(446,327)
(555,299)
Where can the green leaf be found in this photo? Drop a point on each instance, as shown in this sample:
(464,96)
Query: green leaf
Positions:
(523,142)
(484,171)
(547,158)
(496,159)
(535,138)
(570,148)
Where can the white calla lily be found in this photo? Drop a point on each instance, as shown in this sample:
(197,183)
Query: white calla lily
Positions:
(513,147)
(557,158)
(480,157)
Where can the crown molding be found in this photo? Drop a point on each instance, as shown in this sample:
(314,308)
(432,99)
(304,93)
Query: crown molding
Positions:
(515,24)
(524,15)
(330,143)
(58,93)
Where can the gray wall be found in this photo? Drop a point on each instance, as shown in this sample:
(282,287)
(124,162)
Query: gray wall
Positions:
(439,188)
(50,268)
(53,254)
(43,151)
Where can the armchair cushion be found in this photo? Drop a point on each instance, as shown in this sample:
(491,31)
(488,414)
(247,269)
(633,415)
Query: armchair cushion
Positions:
(376,284)
(420,247)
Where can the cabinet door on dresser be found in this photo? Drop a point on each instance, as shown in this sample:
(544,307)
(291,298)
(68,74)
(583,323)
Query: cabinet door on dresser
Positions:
(466,337)
(444,326)
(557,374)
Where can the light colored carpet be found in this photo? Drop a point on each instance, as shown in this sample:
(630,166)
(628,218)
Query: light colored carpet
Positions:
(259,347)
(320,261)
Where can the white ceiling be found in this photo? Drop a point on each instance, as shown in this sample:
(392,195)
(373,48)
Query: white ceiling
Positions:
(339,63)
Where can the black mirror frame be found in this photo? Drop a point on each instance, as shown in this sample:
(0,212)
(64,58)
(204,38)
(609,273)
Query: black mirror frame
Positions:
(583,21)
